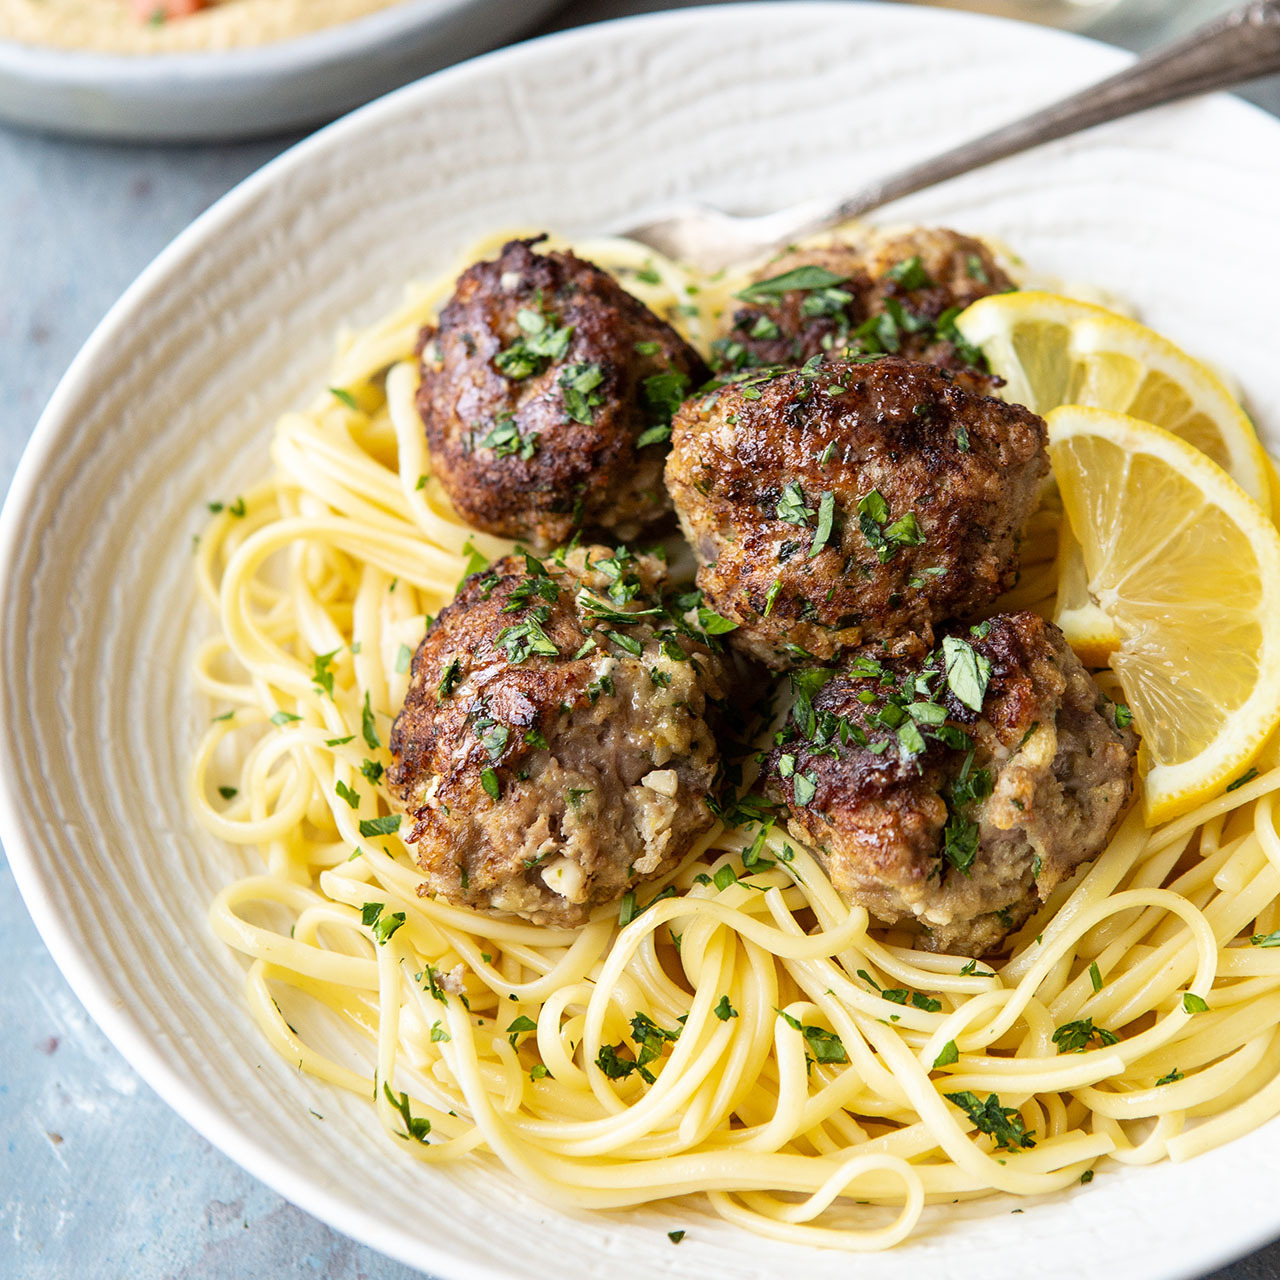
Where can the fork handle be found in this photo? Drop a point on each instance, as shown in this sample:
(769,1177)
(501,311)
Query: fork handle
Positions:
(1236,47)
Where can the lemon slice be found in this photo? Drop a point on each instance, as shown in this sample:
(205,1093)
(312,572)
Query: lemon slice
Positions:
(1052,350)
(1186,568)
(1093,634)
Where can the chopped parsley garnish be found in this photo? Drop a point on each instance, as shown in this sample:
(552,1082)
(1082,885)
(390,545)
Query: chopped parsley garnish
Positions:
(505,440)
(339,742)
(661,394)
(791,506)
(909,273)
(1124,717)
(724,1010)
(351,797)
(675,1236)
(387,825)
(322,672)
(341,393)
(228,793)
(627,643)
(659,434)
(804,787)
(1242,779)
(1095,976)
(237,508)
(1266,939)
(448,679)
(824,1046)
(960,842)
(539,343)
(826,302)
(493,737)
(627,909)
(1076,1037)
(715,624)
(650,1038)
(1004,1124)
(610,1060)
(489,781)
(873,514)
(368,727)
(960,835)
(1173,1075)
(799,279)
(383,926)
(805,685)
(520,1025)
(600,611)
(416,1127)
(527,637)
(475,562)
(968,671)
(724,877)
(945,330)
(284,717)
(1193,1003)
(404,656)
(948,1055)
(826,521)
(578,382)
(975,270)
(438,1033)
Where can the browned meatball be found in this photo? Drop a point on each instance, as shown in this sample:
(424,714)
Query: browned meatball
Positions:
(851,499)
(555,748)
(898,294)
(547,393)
(952,795)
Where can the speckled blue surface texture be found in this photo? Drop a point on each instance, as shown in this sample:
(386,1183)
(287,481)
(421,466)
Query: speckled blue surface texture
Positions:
(99,1178)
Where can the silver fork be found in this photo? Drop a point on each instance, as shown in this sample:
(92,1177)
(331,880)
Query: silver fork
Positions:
(1236,47)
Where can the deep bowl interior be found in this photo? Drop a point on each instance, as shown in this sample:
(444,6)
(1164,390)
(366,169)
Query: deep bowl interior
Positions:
(172,402)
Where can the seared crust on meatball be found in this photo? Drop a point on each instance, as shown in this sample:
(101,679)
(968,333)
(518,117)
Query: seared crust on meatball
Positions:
(848,500)
(956,821)
(555,748)
(538,388)
(890,293)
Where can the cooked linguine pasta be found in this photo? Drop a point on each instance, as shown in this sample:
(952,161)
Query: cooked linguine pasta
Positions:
(734,1031)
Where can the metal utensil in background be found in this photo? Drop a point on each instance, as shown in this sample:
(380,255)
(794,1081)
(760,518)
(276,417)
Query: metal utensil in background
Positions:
(1228,51)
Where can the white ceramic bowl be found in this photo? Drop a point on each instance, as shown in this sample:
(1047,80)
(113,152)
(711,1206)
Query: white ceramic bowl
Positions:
(255,91)
(172,401)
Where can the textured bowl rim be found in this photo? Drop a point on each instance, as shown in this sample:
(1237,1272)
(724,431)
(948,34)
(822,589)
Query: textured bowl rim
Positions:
(343,42)
(86,981)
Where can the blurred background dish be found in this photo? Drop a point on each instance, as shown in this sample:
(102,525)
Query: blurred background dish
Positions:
(255,90)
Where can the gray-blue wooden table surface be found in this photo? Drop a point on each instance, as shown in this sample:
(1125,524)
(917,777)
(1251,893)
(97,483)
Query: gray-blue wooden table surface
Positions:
(99,1178)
